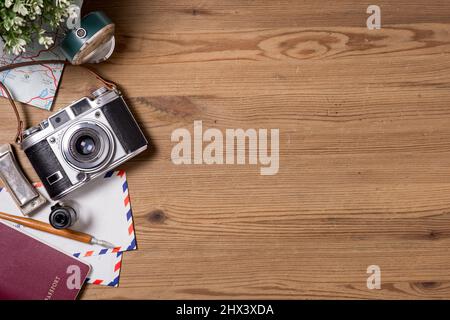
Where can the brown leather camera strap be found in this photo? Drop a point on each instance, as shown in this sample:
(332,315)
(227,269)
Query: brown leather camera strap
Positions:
(20,124)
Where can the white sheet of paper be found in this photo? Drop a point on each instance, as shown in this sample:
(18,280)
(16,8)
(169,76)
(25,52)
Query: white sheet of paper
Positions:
(104,212)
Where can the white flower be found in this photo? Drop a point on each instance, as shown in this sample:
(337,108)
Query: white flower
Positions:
(45,41)
(8,3)
(20,8)
(18,21)
(19,47)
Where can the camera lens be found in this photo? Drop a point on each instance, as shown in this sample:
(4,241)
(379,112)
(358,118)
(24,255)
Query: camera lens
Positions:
(88,146)
(85,145)
(62,217)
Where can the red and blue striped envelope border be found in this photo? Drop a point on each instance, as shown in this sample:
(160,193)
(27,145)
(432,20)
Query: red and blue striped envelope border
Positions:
(128,214)
(116,271)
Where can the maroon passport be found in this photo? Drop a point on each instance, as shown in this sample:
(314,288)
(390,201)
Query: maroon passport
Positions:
(33,270)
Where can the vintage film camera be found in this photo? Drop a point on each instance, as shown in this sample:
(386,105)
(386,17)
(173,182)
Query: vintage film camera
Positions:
(83,141)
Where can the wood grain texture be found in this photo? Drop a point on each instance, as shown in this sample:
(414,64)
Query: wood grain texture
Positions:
(364,119)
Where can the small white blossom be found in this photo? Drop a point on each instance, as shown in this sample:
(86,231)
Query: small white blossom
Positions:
(18,21)
(20,8)
(19,47)
(46,41)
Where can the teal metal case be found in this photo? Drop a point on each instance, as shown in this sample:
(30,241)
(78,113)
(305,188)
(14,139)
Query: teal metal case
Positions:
(96,33)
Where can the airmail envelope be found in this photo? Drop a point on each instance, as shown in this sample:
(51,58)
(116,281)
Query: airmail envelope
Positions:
(104,212)
(105,269)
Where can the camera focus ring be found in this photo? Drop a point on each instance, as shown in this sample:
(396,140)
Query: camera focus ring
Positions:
(87,146)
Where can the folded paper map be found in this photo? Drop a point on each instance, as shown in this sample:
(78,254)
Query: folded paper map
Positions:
(34,85)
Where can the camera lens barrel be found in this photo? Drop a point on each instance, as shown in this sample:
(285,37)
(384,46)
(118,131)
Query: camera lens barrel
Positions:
(88,146)
(62,217)
(85,145)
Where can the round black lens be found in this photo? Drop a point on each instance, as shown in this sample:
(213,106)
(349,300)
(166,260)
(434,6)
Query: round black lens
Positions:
(61,218)
(85,145)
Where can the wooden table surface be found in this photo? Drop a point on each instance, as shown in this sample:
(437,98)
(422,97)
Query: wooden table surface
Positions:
(364,120)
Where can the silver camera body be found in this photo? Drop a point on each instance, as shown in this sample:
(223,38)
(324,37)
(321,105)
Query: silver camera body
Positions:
(83,141)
